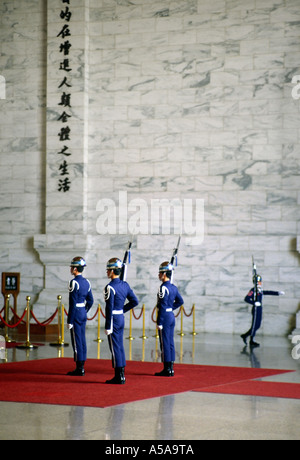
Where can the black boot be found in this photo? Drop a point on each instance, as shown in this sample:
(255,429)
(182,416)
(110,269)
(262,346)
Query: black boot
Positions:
(79,371)
(123,375)
(253,344)
(119,378)
(244,337)
(172,368)
(167,371)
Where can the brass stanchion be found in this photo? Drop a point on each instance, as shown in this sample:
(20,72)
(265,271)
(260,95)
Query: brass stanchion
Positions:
(130,350)
(143,352)
(130,327)
(99,317)
(6,317)
(156,347)
(181,333)
(194,322)
(98,350)
(181,350)
(27,344)
(61,325)
(144,329)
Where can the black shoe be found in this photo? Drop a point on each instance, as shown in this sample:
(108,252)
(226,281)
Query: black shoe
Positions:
(79,371)
(254,344)
(166,372)
(172,369)
(122,372)
(244,337)
(119,378)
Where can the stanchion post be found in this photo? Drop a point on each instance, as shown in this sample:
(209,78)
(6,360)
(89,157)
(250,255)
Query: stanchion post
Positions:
(61,325)
(194,321)
(181,322)
(99,318)
(6,317)
(130,327)
(27,344)
(63,343)
(144,328)
(59,319)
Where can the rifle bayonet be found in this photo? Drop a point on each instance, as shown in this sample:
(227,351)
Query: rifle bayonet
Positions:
(126,260)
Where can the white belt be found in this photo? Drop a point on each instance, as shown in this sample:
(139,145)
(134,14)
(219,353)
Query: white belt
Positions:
(169,309)
(80,305)
(117,312)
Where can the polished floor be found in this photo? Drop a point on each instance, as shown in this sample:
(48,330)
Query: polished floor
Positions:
(185,416)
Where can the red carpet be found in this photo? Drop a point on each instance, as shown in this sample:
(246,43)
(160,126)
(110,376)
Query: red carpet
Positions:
(45,381)
(258,388)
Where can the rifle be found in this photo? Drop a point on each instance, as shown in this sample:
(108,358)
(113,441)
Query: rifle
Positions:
(174,256)
(73,340)
(254,272)
(126,259)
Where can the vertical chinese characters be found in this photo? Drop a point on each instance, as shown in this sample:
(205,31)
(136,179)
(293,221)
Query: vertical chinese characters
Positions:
(64,135)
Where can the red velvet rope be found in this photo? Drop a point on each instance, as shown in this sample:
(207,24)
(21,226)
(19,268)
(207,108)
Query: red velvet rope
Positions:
(51,318)
(14,325)
(47,321)
(140,315)
(93,317)
(179,311)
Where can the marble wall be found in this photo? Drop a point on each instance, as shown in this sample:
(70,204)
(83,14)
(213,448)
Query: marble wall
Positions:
(188,102)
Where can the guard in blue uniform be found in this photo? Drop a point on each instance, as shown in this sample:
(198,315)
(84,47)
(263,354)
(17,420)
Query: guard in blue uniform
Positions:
(80,302)
(256,310)
(168,299)
(115,295)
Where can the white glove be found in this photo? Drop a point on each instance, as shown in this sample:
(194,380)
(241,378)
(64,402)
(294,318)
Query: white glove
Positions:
(160,327)
(281,292)
(108,331)
(257,304)
(70,326)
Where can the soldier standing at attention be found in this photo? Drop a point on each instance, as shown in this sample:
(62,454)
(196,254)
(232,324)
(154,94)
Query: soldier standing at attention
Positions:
(168,299)
(80,302)
(115,295)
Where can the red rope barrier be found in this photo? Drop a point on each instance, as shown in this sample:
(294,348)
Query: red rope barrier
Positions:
(47,321)
(93,317)
(15,325)
(186,313)
(137,317)
(176,316)
(179,311)
(152,315)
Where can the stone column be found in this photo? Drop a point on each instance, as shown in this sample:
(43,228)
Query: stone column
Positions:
(66,144)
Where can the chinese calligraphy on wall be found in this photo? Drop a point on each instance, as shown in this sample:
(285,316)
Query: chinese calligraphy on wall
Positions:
(64,102)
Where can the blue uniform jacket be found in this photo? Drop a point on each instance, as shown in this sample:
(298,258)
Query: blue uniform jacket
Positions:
(168,297)
(80,292)
(250,297)
(115,295)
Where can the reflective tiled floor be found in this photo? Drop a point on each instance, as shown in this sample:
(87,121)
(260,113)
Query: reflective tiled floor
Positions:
(185,416)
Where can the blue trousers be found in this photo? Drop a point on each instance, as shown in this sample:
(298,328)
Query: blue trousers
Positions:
(115,341)
(166,337)
(79,331)
(256,320)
